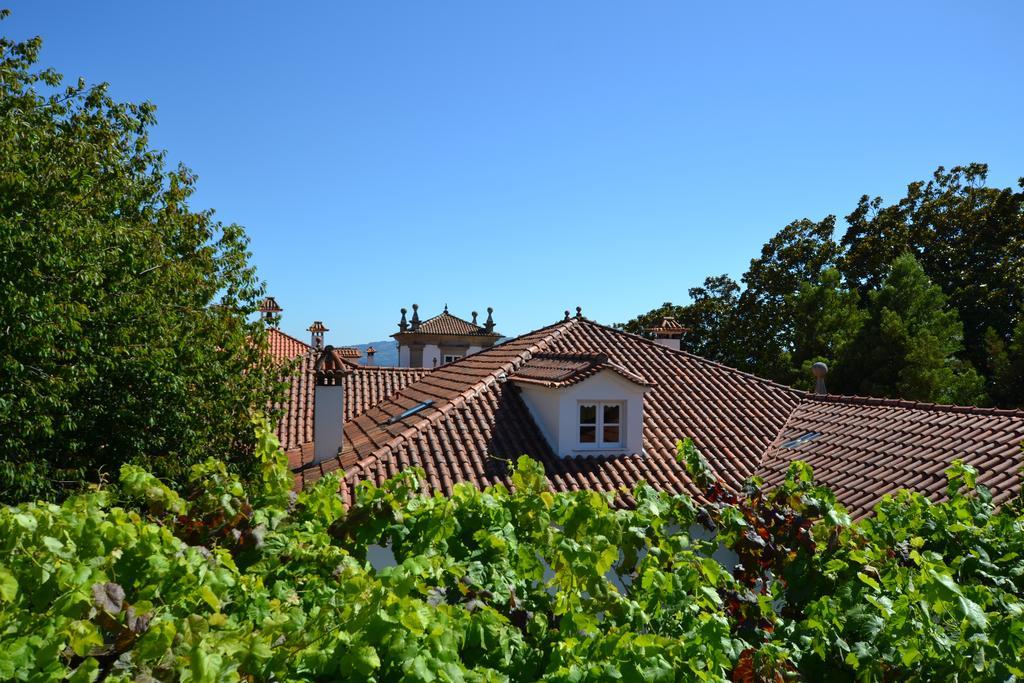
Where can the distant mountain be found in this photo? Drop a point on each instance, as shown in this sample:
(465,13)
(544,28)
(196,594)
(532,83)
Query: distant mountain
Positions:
(387,352)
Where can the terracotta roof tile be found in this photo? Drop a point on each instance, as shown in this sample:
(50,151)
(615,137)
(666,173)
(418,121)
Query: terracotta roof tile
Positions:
(743,424)
(446,323)
(865,447)
(560,370)
(284,346)
(365,387)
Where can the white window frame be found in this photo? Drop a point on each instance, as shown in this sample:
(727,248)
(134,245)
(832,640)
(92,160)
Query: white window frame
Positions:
(451,358)
(599,443)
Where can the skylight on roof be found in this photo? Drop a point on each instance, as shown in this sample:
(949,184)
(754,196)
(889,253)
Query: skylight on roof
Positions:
(809,436)
(409,413)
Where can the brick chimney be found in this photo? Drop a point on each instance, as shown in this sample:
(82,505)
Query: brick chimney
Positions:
(370,354)
(329,404)
(668,333)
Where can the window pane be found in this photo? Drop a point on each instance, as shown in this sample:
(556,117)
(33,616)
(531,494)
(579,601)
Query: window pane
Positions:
(588,414)
(588,434)
(611,435)
(611,414)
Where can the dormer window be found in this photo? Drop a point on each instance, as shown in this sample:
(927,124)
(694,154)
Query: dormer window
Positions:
(451,358)
(600,424)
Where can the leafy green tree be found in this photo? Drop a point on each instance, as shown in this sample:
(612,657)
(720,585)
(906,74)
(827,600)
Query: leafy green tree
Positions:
(968,237)
(909,343)
(825,318)
(1006,366)
(798,254)
(709,319)
(126,314)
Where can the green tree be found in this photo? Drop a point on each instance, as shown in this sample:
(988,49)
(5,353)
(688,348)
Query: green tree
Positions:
(797,255)
(126,315)
(1006,366)
(826,318)
(709,319)
(908,346)
(968,237)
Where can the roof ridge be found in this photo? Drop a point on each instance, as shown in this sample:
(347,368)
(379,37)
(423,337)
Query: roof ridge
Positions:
(852,399)
(439,411)
(697,358)
(285,334)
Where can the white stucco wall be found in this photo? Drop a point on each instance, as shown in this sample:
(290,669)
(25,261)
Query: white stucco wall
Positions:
(431,355)
(403,356)
(473,349)
(556,411)
(328,421)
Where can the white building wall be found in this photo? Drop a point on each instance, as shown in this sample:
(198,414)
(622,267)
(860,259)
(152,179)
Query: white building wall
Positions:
(403,356)
(431,355)
(473,349)
(556,411)
(673,344)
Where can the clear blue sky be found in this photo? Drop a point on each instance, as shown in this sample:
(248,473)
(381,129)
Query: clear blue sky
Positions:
(536,156)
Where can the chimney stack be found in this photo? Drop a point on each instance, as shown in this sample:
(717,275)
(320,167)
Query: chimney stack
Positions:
(370,353)
(329,404)
(668,333)
(819,370)
(317,329)
(270,312)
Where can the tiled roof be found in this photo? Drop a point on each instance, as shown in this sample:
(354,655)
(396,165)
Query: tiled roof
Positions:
(284,346)
(348,351)
(863,448)
(731,415)
(560,370)
(743,424)
(365,387)
(446,323)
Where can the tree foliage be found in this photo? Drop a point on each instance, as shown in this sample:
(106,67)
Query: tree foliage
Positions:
(230,583)
(125,331)
(969,241)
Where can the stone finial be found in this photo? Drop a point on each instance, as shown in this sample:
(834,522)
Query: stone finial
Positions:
(489,323)
(566,314)
(415,317)
(403,325)
(819,370)
(474,317)
(579,311)
(446,308)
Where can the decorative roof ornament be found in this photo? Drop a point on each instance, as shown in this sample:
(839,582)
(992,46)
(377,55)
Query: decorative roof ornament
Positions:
(317,329)
(579,311)
(330,367)
(270,311)
(489,323)
(819,370)
(403,325)
(668,328)
(566,314)
(415,317)
(474,318)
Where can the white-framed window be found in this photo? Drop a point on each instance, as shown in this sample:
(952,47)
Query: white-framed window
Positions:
(600,424)
(451,358)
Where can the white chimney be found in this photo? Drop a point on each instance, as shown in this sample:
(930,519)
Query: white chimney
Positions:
(317,329)
(668,333)
(329,404)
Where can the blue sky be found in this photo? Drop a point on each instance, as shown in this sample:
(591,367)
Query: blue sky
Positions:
(536,156)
